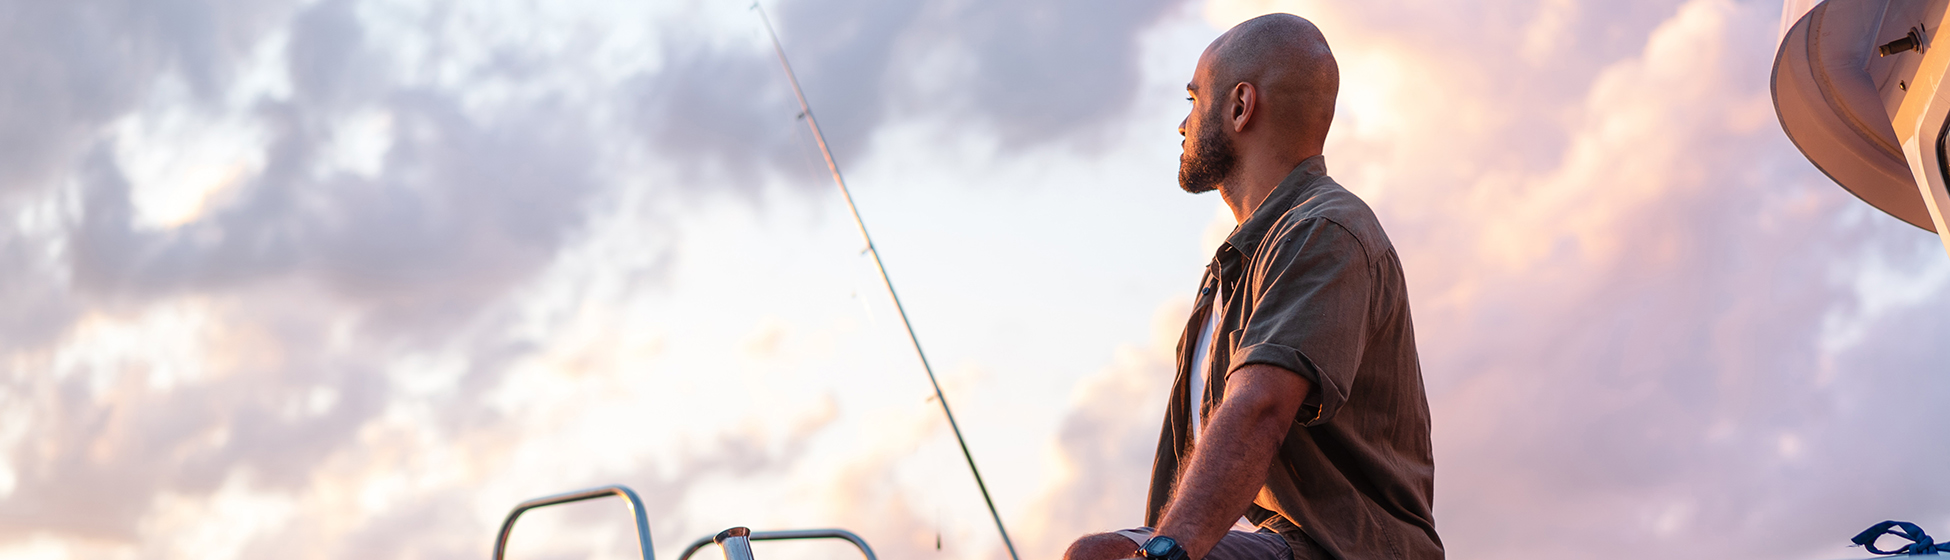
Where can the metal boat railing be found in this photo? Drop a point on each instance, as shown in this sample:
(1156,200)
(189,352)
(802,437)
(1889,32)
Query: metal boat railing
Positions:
(841,534)
(736,541)
(620,491)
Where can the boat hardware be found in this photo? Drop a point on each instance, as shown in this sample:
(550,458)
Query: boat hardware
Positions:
(618,490)
(841,534)
(736,541)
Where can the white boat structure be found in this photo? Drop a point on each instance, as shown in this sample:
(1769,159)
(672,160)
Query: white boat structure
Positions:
(1858,86)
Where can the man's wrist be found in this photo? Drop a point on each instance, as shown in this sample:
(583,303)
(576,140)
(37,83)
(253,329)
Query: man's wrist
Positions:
(1160,547)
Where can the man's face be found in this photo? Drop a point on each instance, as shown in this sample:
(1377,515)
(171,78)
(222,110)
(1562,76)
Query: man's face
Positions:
(1208,153)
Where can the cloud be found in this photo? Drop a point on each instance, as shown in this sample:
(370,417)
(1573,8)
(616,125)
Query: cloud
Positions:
(1649,327)
(74,66)
(425,242)
(247,344)
(114,430)
(284,262)
(1107,441)
(1027,74)
(1642,314)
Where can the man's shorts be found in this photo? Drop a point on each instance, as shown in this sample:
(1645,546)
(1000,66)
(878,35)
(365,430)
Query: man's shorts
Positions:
(1239,545)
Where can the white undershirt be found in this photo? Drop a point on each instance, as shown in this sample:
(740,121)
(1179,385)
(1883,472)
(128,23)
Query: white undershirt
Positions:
(1202,362)
(1202,366)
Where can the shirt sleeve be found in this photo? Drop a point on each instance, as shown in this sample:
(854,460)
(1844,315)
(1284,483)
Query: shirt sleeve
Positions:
(1310,285)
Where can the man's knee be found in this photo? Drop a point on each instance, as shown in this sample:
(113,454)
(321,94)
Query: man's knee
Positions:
(1101,546)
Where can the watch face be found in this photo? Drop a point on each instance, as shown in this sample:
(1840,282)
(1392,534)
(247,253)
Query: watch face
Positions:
(1159,547)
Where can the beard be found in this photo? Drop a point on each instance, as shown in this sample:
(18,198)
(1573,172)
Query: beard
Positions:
(1211,160)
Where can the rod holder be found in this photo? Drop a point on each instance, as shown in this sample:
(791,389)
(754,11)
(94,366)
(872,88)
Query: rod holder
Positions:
(1911,42)
(736,543)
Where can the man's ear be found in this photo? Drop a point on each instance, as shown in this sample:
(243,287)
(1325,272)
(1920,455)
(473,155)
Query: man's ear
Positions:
(1245,101)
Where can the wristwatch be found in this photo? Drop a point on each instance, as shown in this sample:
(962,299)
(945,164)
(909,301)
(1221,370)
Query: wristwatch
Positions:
(1161,547)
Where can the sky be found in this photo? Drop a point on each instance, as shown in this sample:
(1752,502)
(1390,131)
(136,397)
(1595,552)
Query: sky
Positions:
(350,278)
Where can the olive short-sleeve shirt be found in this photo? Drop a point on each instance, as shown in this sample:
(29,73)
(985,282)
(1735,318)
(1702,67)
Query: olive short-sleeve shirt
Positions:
(1312,285)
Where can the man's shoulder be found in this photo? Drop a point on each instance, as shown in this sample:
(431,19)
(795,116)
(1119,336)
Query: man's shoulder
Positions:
(1325,203)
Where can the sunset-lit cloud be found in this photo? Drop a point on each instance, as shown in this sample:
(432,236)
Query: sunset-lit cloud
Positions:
(349,278)
(1630,329)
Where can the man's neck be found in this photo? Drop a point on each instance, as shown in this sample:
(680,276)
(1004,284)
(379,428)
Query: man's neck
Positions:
(1249,185)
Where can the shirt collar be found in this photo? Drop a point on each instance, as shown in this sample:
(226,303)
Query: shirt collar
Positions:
(1303,178)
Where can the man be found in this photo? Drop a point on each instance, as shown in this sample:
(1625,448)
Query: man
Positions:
(1299,402)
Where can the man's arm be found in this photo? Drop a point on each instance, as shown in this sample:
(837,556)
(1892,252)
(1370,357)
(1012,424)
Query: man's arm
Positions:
(1230,461)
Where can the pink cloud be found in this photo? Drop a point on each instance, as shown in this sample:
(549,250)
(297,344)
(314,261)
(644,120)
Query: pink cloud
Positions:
(1650,328)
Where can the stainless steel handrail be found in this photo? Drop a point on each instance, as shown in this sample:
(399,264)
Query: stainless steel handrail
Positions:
(841,534)
(636,511)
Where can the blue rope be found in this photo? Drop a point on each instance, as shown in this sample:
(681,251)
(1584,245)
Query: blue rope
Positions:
(1920,542)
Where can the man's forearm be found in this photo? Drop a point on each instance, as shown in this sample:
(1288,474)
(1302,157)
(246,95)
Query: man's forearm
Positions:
(1230,462)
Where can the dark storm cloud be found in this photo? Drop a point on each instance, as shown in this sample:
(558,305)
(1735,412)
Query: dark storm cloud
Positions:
(1027,73)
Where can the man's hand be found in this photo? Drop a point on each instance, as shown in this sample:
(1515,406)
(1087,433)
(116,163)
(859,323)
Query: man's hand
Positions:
(1102,546)
(1230,461)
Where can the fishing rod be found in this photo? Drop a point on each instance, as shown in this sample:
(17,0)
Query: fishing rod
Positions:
(834,167)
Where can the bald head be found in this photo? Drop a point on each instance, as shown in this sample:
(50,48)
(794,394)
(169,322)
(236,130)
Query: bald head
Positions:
(1287,60)
(1262,99)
